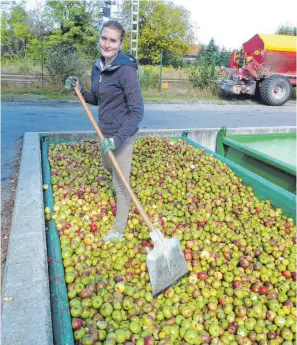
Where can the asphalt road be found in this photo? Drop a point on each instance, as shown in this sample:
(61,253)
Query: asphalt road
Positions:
(18,118)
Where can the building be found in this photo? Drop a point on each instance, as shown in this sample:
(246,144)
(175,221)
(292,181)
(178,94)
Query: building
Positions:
(192,53)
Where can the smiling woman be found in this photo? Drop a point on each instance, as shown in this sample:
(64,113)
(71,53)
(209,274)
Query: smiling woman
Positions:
(111,40)
(115,88)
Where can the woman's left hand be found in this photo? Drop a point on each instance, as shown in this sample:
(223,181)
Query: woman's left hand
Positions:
(107,144)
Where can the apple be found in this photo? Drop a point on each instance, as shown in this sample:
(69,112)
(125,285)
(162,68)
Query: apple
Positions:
(287,274)
(202,275)
(263,290)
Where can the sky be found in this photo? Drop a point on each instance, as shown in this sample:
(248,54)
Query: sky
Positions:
(231,23)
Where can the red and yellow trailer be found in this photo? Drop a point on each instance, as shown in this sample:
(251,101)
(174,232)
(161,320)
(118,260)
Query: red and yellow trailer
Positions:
(265,65)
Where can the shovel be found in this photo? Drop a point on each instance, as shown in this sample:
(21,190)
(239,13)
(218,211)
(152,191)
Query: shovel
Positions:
(166,263)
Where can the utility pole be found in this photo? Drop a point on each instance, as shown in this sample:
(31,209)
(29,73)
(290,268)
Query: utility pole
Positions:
(134,28)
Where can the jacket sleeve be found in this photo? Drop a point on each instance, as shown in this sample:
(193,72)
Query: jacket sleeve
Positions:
(90,96)
(131,87)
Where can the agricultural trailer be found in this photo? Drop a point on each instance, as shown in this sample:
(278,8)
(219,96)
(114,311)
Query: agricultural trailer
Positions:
(265,67)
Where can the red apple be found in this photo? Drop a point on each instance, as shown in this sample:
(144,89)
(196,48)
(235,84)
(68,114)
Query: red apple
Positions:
(188,256)
(202,275)
(93,227)
(263,290)
(76,323)
(255,287)
(149,340)
(194,263)
(190,244)
(287,274)
(237,284)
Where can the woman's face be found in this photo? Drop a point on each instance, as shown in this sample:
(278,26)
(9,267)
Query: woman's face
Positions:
(110,43)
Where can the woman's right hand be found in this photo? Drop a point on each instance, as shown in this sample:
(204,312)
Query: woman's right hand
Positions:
(71,82)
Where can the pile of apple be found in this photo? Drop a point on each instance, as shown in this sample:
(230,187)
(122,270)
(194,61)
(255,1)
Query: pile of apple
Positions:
(241,252)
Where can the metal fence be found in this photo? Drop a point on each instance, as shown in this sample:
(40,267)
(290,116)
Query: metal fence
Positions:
(39,80)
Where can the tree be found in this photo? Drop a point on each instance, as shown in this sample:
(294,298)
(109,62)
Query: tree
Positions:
(15,31)
(211,51)
(287,29)
(201,52)
(6,36)
(75,23)
(223,58)
(163,26)
(203,72)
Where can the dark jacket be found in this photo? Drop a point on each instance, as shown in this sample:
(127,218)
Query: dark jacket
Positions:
(117,92)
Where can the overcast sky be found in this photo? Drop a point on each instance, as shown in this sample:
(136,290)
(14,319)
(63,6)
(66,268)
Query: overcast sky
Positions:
(232,23)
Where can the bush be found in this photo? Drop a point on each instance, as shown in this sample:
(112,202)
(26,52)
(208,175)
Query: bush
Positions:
(149,78)
(201,75)
(62,61)
(21,65)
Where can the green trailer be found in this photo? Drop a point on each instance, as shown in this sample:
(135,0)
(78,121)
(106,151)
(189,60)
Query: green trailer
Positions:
(271,156)
(35,171)
(62,329)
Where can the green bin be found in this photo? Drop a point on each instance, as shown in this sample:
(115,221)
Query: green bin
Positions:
(271,156)
(62,330)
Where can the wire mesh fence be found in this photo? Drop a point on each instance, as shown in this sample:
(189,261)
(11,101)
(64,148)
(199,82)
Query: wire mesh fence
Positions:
(147,81)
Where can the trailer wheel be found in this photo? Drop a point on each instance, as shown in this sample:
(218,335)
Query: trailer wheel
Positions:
(275,90)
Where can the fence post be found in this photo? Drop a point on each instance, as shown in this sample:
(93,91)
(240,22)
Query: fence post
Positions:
(161,62)
(214,58)
(42,80)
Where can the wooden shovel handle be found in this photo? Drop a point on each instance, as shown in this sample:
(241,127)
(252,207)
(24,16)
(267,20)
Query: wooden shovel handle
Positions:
(115,163)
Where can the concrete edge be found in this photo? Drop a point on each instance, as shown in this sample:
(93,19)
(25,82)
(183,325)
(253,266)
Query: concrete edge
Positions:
(26,319)
(204,136)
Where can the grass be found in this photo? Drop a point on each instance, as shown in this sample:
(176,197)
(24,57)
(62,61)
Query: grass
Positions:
(170,72)
(9,93)
(175,95)
(22,93)
(22,66)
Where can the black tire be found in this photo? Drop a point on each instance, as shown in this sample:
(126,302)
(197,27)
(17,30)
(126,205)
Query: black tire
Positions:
(275,90)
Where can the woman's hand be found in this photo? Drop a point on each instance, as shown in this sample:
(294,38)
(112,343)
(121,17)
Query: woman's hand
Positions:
(71,82)
(107,144)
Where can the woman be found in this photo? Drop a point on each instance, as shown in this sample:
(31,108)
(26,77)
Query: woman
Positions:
(115,88)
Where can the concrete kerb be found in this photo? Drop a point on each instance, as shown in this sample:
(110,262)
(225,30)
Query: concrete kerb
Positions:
(204,136)
(26,312)
(26,319)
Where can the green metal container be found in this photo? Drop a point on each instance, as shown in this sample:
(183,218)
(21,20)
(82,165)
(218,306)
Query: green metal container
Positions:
(272,156)
(62,330)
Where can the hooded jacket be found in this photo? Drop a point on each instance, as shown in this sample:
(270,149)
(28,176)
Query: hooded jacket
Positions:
(116,90)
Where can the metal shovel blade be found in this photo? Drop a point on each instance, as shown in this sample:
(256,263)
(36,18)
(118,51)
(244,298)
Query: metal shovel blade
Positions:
(166,263)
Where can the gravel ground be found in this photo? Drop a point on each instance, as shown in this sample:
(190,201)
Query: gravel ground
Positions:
(7,206)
